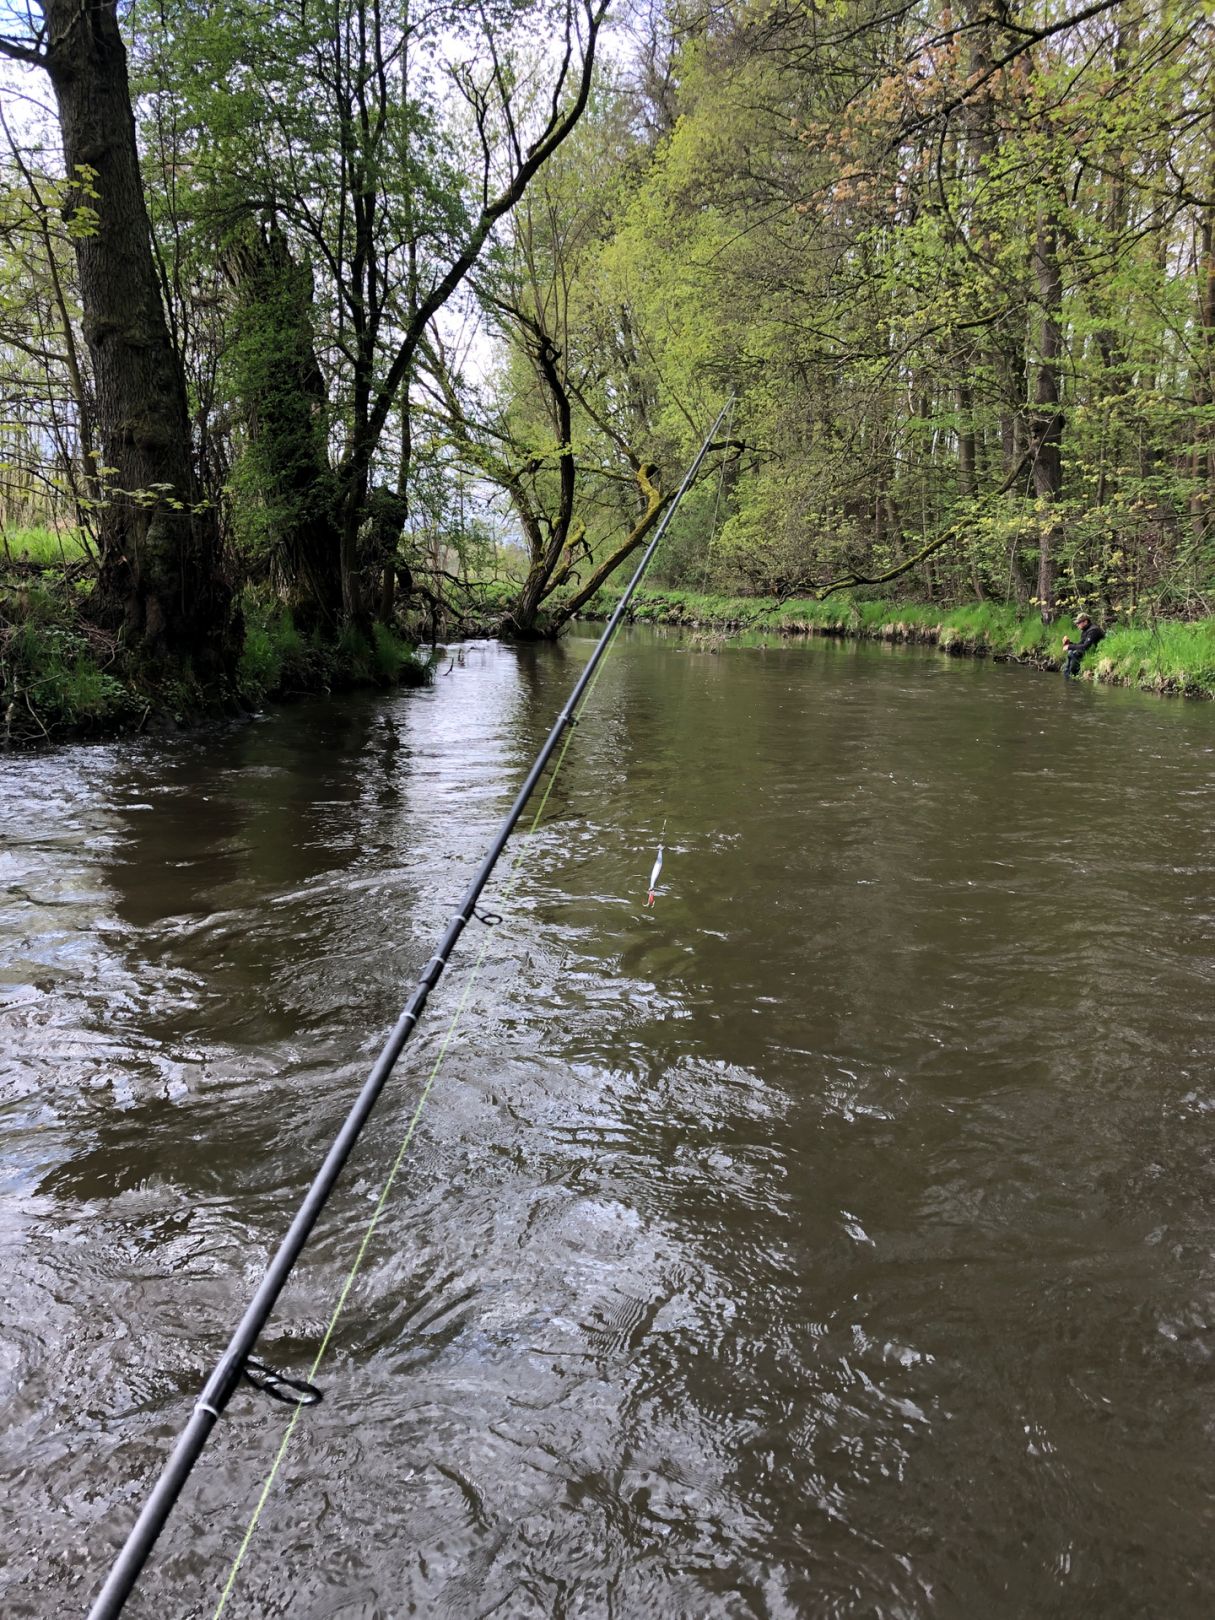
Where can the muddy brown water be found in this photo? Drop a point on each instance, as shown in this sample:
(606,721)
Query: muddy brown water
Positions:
(833,1240)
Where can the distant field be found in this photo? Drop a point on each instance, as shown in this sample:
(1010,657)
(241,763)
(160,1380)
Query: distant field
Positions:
(42,545)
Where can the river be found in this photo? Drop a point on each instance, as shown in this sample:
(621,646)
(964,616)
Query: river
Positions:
(833,1239)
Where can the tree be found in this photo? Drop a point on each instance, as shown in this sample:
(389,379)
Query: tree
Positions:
(158,537)
(576,440)
(42,372)
(283,479)
(329,132)
(956,258)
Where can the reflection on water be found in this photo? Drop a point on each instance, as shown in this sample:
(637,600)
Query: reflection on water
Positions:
(831,1240)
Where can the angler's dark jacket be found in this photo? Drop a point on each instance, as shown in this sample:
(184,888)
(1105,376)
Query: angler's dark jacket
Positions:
(1092,635)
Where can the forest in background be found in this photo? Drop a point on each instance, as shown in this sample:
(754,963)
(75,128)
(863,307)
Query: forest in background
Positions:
(321,324)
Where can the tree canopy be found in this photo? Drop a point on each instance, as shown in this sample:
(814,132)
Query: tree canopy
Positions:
(956,262)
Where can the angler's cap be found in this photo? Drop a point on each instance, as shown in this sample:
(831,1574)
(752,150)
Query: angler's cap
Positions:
(1082,618)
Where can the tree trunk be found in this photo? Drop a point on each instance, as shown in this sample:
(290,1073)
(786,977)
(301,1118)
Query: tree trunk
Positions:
(967,458)
(282,393)
(161,575)
(546,557)
(966,442)
(983,126)
(1201,501)
(655,504)
(1047,419)
(396,563)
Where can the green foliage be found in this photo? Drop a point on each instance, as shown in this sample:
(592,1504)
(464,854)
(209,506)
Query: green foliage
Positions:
(282,480)
(55,675)
(274,653)
(1165,656)
(60,676)
(912,273)
(38,543)
(380,658)
(280,660)
(393,658)
(493,599)
(896,293)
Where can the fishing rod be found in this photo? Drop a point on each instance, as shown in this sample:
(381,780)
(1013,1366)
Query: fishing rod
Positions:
(237,1360)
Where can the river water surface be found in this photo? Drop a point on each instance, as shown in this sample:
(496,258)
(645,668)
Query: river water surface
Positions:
(834,1239)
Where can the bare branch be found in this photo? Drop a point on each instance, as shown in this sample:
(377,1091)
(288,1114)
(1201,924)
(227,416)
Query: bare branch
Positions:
(33,55)
(557,129)
(846,581)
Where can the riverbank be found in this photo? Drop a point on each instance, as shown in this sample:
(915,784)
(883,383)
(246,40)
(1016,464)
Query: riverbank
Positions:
(1170,657)
(62,677)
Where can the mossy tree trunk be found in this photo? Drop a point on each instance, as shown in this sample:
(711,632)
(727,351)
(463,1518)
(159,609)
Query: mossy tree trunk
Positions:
(161,575)
(282,393)
(653,504)
(553,541)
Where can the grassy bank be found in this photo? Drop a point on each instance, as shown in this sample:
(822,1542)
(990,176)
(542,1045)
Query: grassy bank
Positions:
(62,677)
(1166,656)
(281,661)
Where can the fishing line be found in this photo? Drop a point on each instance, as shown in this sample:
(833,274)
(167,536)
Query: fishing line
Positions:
(234,1362)
(381,1202)
(356,1266)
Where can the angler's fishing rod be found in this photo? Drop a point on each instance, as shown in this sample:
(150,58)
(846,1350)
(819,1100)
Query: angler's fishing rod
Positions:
(217,1391)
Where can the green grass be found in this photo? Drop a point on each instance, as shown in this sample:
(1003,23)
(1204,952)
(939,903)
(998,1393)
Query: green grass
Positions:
(280,660)
(1165,656)
(55,675)
(380,659)
(270,639)
(42,545)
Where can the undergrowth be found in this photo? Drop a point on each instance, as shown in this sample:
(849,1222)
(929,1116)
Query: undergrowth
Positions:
(61,676)
(280,660)
(57,674)
(42,546)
